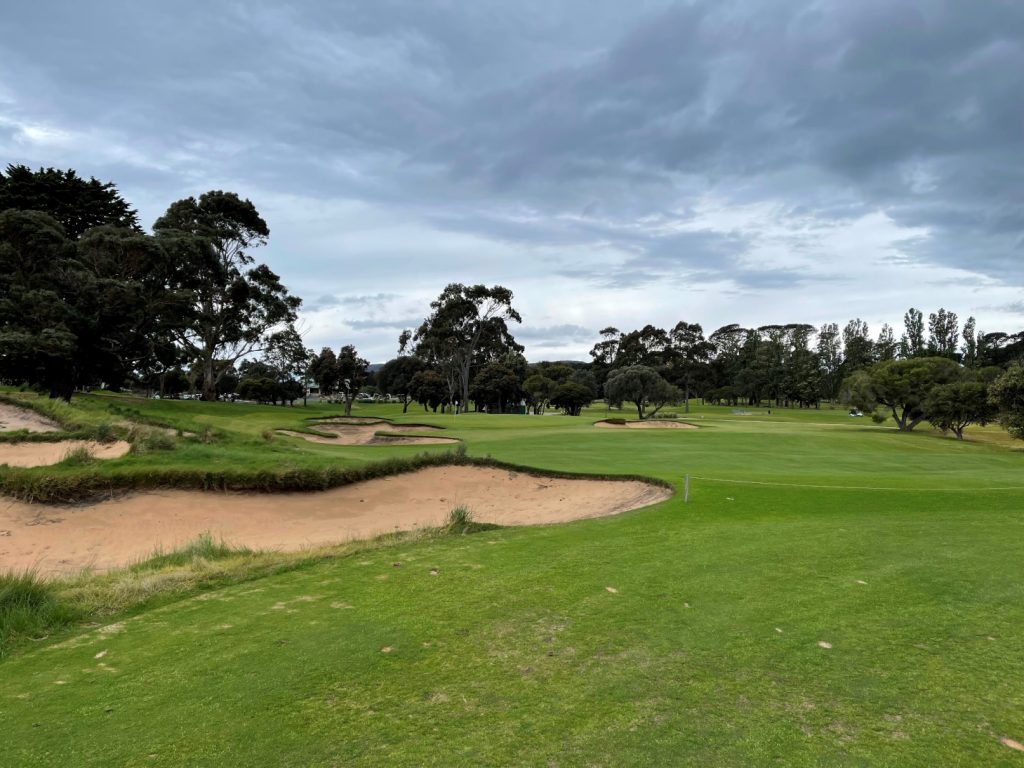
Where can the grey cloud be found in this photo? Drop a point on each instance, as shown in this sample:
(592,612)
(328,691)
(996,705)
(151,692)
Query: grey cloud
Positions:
(553,335)
(565,128)
(383,324)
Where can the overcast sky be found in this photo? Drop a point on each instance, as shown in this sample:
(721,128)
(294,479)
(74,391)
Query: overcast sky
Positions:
(613,163)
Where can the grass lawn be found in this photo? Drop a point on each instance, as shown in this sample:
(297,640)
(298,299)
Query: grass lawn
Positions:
(834,593)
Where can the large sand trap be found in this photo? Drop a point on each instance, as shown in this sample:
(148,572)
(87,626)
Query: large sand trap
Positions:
(43,454)
(366,434)
(54,539)
(13,418)
(646,425)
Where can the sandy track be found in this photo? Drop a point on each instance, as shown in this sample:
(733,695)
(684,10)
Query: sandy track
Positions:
(13,418)
(44,454)
(366,434)
(646,425)
(55,539)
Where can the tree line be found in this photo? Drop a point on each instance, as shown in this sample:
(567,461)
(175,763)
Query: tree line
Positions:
(88,298)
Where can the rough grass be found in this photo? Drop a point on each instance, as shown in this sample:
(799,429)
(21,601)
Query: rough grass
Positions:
(147,439)
(30,609)
(79,456)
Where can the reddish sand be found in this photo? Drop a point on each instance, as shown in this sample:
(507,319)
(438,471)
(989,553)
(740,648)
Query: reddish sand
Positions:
(366,434)
(13,418)
(646,425)
(61,539)
(44,454)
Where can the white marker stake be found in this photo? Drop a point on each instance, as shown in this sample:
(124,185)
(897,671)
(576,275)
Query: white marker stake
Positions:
(686,490)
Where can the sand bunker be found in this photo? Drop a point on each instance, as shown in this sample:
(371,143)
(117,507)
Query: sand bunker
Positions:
(646,425)
(55,539)
(13,418)
(43,454)
(366,434)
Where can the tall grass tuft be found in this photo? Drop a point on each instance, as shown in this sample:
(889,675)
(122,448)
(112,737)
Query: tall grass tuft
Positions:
(460,520)
(29,607)
(145,440)
(79,456)
(105,432)
(202,548)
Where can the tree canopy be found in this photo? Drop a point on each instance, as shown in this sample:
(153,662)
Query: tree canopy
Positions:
(902,386)
(229,307)
(643,387)
(465,320)
(75,203)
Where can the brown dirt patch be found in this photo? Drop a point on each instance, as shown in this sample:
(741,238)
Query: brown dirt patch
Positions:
(646,425)
(13,418)
(123,530)
(44,454)
(366,434)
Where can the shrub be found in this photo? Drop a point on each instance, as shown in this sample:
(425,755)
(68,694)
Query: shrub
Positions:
(79,456)
(105,433)
(29,608)
(460,520)
(148,440)
(879,418)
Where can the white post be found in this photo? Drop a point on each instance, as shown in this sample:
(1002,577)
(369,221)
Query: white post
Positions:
(686,490)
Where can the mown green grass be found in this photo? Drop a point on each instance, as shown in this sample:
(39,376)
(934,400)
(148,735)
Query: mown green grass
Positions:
(650,638)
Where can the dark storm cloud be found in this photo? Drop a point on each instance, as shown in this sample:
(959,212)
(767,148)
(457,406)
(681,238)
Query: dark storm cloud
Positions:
(595,131)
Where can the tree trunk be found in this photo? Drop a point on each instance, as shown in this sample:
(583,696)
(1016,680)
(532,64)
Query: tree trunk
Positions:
(640,409)
(209,383)
(901,423)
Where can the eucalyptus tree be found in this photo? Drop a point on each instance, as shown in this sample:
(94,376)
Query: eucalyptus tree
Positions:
(690,355)
(886,347)
(912,342)
(943,330)
(230,307)
(462,319)
(830,360)
(969,351)
(352,374)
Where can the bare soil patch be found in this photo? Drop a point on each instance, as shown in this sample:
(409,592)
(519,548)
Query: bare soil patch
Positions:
(646,425)
(366,434)
(123,530)
(44,454)
(13,418)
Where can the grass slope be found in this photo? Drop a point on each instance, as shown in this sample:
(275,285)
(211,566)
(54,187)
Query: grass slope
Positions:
(681,635)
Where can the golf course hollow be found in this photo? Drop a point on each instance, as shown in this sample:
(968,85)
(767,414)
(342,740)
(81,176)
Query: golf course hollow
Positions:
(43,454)
(368,434)
(645,425)
(120,531)
(13,418)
